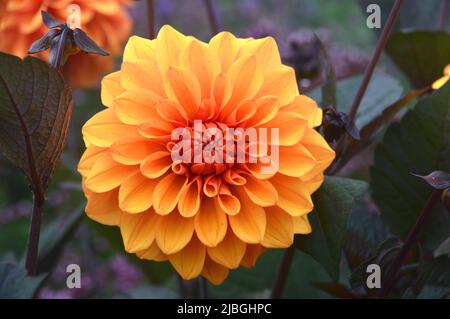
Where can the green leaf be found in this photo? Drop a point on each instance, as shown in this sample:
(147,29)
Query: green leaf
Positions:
(15,284)
(383,90)
(54,237)
(434,279)
(35,108)
(421,55)
(419,144)
(334,201)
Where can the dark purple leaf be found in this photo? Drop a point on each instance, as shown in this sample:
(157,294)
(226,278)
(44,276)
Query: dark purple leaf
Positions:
(436,179)
(86,44)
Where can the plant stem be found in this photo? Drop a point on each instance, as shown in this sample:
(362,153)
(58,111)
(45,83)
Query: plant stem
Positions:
(151,19)
(283,271)
(408,243)
(371,67)
(212,16)
(203,288)
(34,233)
(443,14)
(60,51)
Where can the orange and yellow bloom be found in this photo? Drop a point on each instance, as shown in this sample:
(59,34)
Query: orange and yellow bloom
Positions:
(105,21)
(204,218)
(442,80)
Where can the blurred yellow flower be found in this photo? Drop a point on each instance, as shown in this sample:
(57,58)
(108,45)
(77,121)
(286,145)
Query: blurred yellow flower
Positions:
(203,217)
(105,21)
(441,81)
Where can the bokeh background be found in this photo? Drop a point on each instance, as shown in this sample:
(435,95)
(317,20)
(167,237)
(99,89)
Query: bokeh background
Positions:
(107,271)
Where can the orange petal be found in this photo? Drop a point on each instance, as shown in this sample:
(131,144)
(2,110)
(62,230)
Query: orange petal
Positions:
(291,128)
(221,90)
(172,112)
(174,232)
(280,228)
(138,230)
(306,108)
(301,225)
(250,223)
(281,83)
(225,46)
(106,174)
(132,150)
(169,44)
(252,254)
(190,199)
(104,207)
(111,88)
(156,129)
(214,272)
(142,74)
(210,223)
(88,159)
(295,160)
(183,87)
(229,252)
(266,110)
(265,50)
(139,48)
(136,192)
(261,192)
(104,128)
(152,253)
(190,260)
(136,106)
(156,164)
(319,149)
(293,196)
(168,192)
(227,201)
(211,185)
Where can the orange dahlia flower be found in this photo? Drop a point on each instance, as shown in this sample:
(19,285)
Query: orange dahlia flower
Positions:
(105,21)
(442,80)
(203,217)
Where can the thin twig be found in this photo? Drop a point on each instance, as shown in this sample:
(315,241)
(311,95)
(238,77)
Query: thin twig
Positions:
(151,19)
(212,16)
(392,272)
(60,51)
(373,62)
(283,271)
(31,262)
(443,12)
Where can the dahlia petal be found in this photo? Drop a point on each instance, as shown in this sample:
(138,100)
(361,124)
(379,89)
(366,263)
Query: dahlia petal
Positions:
(132,150)
(168,192)
(281,83)
(250,223)
(183,87)
(221,90)
(301,225)
(139,48)
(279,230)
(152,253)
(142,74)
(265,50)
(246,79)
(266,109)
(229,252)
(227,201)
(174,233)
(136,106)
(214,272)
(319,149)
(211,185)
(296,160)
(210,224)
(104,128)
(307,108)
(252,254)
(106,174)
(156,164)
(225,47)
(156,129)
(190,199)
(244,111)
(263,170)
(198,58)
(88,159)
(111,88)
(292,195)
(291,128)
(172,112)
(138,230)
(169,44)
(136,192)
(234,177)
(261,192)
(190,260)
(104,207)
